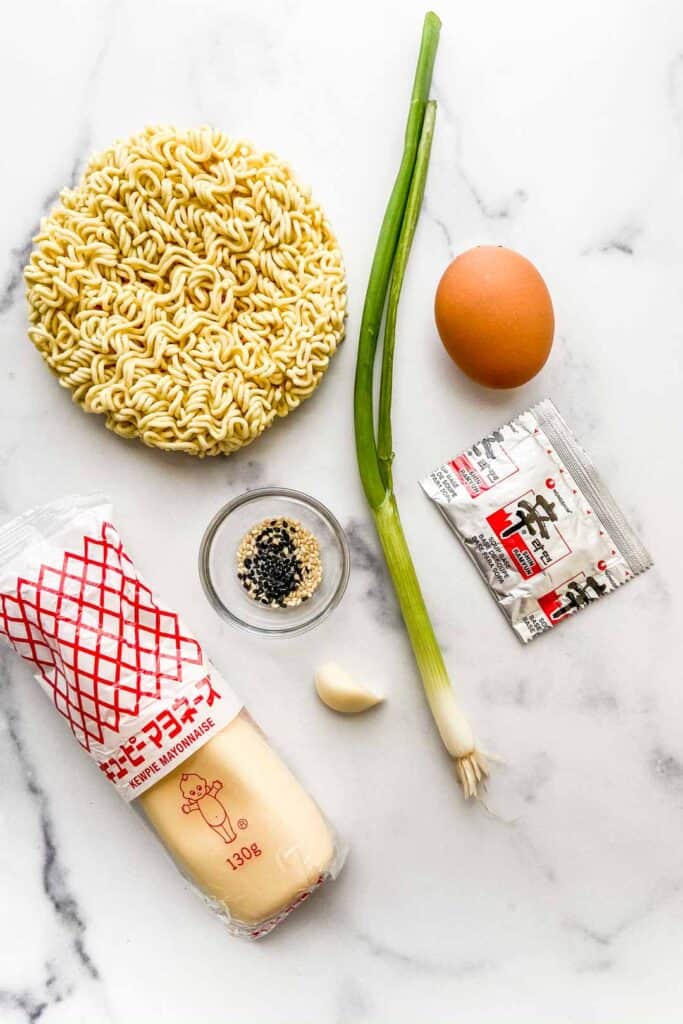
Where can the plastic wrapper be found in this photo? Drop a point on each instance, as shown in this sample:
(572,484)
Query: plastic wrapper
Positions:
(537,520)
(163,725)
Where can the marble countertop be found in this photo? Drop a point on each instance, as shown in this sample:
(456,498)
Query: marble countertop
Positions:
(560,133)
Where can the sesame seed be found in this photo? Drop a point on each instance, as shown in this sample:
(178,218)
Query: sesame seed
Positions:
(278,563)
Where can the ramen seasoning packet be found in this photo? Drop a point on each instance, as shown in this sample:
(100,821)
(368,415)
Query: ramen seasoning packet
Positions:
(537,520)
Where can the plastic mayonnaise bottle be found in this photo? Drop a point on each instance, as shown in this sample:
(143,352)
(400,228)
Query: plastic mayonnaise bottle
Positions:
(157,718)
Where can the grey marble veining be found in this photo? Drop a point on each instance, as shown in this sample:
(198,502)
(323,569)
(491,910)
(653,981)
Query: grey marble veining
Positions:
(69,963)
(559,133)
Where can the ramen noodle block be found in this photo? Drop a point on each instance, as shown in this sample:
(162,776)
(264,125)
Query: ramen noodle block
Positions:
(160,722)
(188,288)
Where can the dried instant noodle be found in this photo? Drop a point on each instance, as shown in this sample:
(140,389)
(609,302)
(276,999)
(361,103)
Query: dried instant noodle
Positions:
(188,289)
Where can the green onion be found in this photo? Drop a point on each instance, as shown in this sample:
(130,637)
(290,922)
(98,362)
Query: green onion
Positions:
(375,457)
(381,266)
(405,240)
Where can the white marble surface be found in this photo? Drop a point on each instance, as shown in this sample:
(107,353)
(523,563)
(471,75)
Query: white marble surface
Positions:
(560,133)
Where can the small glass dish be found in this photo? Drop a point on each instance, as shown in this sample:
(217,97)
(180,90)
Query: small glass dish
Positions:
(218,561)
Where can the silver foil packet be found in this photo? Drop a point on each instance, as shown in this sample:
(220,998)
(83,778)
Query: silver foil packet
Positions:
(537,520)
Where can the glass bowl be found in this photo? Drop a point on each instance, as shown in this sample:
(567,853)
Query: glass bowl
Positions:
(218,561)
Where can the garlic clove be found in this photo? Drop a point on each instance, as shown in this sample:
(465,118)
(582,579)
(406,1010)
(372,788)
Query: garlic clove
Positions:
(340,692)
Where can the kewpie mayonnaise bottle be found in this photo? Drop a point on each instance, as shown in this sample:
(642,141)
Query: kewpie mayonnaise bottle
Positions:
(160,722)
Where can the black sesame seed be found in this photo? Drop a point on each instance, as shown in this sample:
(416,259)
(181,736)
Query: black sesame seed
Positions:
(278,560)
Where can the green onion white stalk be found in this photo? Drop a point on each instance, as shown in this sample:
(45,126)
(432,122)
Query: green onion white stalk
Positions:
(375,456)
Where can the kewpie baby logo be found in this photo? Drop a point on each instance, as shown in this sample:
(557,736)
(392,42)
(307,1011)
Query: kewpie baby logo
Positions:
(200,796)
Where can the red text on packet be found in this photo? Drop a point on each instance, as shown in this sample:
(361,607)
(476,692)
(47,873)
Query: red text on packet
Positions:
(469,476)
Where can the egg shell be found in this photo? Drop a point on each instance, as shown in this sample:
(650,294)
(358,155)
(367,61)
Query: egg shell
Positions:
(495,316)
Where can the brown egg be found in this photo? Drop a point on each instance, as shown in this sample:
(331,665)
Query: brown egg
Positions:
(495,317)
